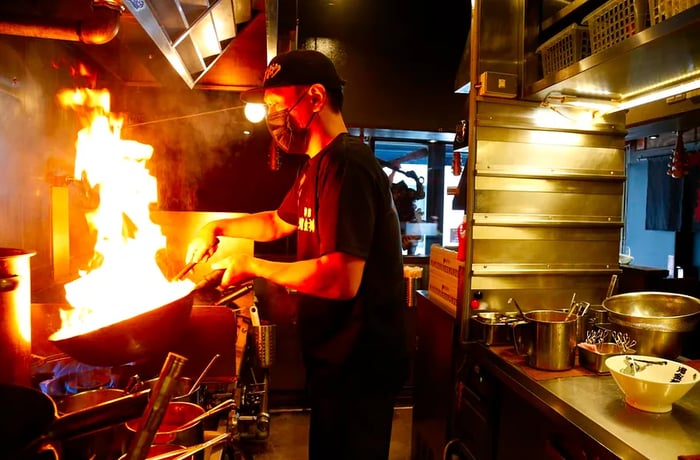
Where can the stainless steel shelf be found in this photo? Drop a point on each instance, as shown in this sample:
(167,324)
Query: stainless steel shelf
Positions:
(662,53)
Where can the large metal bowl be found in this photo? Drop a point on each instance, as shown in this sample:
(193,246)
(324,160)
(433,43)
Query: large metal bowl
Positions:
(658,321)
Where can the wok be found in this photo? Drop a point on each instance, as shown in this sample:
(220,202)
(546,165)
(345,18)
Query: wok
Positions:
(29,421)
(147,335)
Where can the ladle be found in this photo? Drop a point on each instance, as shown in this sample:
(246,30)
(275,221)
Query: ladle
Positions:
(572,307)
(196,383)
(515,302)
(218,408)
(611,286)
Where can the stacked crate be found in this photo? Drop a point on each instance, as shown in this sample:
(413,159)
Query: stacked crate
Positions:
(446,277)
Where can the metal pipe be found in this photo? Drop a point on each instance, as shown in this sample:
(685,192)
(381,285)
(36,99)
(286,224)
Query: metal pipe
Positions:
(157,405)
(96,29)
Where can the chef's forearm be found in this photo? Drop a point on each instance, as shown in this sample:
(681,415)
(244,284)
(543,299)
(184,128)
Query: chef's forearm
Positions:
(262,226)
(323,277)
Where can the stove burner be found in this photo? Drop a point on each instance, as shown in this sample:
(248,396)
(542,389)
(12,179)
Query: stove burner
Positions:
(89,380)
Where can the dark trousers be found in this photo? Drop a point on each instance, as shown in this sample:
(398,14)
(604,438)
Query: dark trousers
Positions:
(348,426)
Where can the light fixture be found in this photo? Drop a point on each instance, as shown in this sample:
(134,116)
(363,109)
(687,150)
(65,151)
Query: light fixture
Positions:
(602,103)
(254,112)
(677,92)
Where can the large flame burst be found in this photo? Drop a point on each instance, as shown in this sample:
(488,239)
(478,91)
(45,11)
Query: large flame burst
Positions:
(124,278)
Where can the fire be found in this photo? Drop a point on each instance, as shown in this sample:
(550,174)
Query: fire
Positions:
(123,279)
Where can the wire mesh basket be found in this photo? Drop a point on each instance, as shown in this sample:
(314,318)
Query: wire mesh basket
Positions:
(565,48)
(660,10)
(616,21)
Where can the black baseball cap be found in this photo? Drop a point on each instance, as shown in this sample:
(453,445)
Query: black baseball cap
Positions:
(297,67)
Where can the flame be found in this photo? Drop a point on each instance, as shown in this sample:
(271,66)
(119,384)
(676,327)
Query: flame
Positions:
(123,279)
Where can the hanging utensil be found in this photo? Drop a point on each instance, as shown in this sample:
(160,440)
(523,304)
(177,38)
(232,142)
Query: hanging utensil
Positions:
(196,383)
(611,286)
(515,302)
(572,307)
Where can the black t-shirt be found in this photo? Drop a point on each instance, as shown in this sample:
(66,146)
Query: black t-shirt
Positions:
(341,201)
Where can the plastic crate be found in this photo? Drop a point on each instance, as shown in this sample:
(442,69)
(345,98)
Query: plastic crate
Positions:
(616,21)
(565,48)
(660,10)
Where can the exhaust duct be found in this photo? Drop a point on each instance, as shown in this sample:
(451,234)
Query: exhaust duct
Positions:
(100,26)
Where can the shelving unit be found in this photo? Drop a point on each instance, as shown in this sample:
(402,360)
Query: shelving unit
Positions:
(655,56)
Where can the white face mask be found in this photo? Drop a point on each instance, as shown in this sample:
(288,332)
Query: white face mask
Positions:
(287,134)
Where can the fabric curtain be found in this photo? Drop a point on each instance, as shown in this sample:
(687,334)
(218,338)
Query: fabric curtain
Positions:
(664,197)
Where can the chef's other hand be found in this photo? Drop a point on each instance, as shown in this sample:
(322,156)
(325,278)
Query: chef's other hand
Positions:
(238,270)
(202,247)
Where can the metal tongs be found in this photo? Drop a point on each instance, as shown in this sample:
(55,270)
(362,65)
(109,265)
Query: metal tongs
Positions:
(182,273)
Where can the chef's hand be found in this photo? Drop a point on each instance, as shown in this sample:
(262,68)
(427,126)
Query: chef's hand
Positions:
(237,269)
(202,246)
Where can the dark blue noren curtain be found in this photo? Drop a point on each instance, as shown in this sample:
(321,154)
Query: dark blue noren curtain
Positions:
(664,197)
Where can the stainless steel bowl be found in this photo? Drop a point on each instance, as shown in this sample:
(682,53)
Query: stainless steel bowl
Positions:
(658,321)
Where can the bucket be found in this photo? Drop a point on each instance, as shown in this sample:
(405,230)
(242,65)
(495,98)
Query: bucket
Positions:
(15,317)
(547,339)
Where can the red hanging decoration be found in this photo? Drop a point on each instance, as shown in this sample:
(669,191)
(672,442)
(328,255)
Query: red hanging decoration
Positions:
(678,167)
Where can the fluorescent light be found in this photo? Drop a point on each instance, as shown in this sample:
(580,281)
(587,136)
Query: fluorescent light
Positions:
(660,94)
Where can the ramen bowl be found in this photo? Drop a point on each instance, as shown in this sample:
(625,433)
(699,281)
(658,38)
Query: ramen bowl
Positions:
(650,383)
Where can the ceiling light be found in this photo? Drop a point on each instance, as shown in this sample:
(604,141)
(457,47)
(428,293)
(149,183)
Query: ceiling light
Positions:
(254,112)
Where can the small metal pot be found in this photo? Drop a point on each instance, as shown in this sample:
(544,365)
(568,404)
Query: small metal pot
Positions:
(547,339)
(176,415)
(104,443)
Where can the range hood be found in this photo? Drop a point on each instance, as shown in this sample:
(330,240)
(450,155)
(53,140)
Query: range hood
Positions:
(193,34)
(213,44)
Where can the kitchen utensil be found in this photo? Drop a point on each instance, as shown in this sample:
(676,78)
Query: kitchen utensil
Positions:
(147,335)
(234,293)
(547,339)
(182,453)
(658,321)
(202,374)
(186,389)
(651,384)
(572,305)
(158,403)
(29,422)
(611,286)
(592,356)
(182,423)
(515,302)
(218,408)
(182,273)
(493,327)
(212,442)
(15,316)
(594,336)
(104,443)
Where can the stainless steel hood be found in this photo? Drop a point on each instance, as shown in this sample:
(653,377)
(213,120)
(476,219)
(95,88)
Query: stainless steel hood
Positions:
(191,34)
(660,56)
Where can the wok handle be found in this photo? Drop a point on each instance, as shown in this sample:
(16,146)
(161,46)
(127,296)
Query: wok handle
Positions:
(100,416)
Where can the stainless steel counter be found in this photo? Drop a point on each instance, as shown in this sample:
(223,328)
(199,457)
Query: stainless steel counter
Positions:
(595,405)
